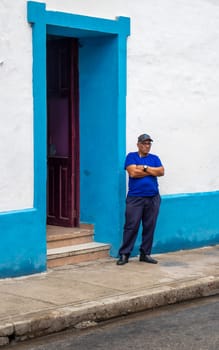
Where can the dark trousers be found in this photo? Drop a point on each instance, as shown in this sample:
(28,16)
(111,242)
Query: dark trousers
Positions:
(140,209)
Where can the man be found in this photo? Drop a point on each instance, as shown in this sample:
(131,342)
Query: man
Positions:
(143,200)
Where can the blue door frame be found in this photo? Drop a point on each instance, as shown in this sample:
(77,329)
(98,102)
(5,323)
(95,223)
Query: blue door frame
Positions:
(102,91)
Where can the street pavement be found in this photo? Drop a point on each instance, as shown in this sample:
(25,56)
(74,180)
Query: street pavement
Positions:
(81,295)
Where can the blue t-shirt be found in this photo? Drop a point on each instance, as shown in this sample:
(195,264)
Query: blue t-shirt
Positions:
(146,186)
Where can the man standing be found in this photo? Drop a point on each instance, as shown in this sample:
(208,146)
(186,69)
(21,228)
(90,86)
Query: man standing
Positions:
(143,200)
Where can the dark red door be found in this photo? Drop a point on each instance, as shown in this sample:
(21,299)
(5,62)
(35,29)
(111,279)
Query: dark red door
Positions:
(62,132)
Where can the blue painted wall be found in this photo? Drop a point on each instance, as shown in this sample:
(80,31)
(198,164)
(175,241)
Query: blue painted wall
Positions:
(186,221)
(23,243)
(100,164)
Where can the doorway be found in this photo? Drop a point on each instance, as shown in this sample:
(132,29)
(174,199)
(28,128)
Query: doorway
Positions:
(102,82)
(62,132)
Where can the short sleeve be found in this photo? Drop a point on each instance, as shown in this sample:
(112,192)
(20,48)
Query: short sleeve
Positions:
(130,160)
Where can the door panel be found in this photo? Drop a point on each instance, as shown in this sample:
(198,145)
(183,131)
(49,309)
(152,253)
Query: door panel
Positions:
(58,126)
(59,180)
(62,126)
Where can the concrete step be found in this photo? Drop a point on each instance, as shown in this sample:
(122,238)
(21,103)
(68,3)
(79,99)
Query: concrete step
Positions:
(77,253)
(67,236)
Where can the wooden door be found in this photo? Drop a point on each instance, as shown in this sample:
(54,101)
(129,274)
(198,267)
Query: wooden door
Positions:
(62,132)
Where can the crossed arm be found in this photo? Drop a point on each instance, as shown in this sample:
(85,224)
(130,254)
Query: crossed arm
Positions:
(136,171)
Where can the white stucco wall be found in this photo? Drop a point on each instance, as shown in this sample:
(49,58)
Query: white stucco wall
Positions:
(173,84)
(16,108)
(173,89)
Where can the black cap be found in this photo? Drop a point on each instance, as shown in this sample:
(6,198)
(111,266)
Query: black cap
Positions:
(144,137)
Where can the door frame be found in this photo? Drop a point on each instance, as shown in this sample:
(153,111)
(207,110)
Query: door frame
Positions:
(65,24)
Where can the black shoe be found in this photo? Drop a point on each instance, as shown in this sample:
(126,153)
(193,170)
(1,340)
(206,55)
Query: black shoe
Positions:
(124,259)
(147,258)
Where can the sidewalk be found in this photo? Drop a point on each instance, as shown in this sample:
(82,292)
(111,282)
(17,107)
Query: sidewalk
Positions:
(80,295)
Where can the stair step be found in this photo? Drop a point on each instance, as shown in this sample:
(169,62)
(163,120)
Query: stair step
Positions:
(76,253)
(67,236)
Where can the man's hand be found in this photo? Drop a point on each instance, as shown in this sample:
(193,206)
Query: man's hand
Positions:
(136,171)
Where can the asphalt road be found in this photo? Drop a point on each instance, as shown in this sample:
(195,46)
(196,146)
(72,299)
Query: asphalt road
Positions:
(188,326)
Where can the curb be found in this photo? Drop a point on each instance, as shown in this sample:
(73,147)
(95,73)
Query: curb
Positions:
(84,315)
